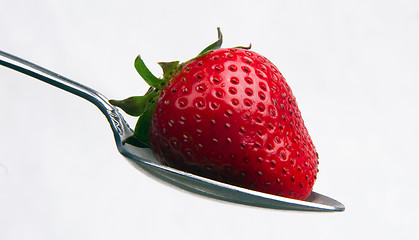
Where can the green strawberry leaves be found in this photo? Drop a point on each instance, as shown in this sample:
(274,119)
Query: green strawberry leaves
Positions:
(143,106)
(216,45)
(145,73)
(135,106)
(142,128)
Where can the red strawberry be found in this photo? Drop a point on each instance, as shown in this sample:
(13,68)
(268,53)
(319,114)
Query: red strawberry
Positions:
(228,115)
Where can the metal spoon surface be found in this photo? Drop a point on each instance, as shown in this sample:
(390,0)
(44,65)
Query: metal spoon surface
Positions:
(143,159)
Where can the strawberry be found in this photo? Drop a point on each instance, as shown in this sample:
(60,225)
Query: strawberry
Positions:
(229,115)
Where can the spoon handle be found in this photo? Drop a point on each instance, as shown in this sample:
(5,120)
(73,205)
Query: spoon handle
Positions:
(54,79)
(93,96)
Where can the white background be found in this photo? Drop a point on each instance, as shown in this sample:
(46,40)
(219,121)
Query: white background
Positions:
(352,65)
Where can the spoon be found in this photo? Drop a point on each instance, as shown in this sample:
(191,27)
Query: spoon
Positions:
(143,159)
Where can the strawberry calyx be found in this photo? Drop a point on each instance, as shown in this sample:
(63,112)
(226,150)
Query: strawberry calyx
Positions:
(143,106)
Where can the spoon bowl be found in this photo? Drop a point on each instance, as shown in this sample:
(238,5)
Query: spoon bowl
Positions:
(143,159)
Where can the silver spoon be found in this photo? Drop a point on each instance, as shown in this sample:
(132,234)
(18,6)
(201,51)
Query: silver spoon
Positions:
(143,159)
